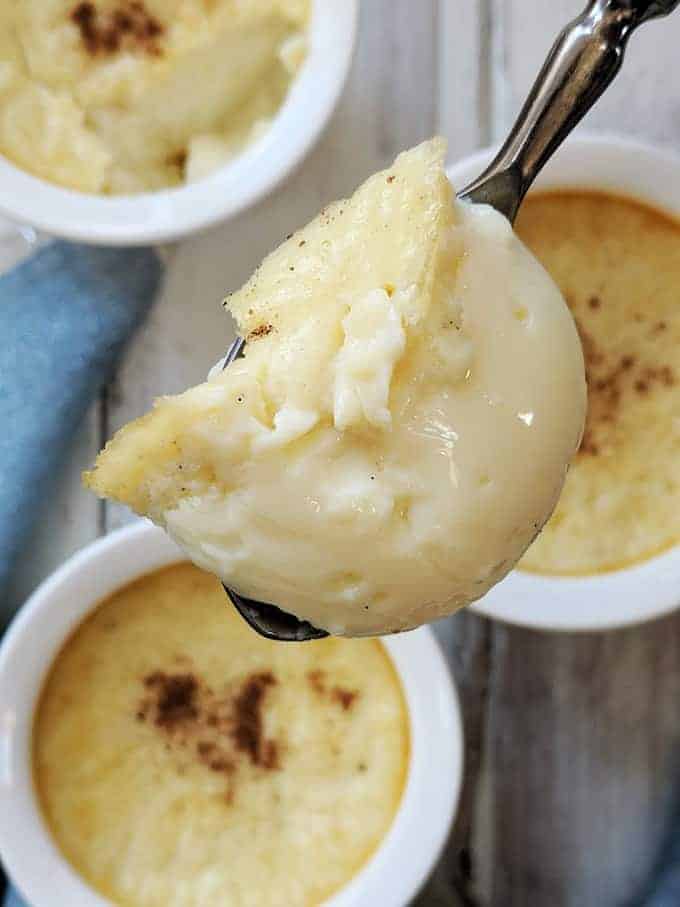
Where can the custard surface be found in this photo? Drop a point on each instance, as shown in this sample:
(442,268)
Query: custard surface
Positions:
(126,96)
(617,263)
(183,761)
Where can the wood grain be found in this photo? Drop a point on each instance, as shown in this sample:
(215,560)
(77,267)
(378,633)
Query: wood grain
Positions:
(584,730)
(585,740)
(462,75)
(463,872)
(643,101)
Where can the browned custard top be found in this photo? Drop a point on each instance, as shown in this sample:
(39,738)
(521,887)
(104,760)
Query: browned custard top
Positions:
(127,26)
(618,264)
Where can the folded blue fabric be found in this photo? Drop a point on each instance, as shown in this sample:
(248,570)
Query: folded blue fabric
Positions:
(662,888)
(65,315)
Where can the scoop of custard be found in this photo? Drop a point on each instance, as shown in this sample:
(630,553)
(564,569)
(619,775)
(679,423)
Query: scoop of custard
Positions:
(399,429)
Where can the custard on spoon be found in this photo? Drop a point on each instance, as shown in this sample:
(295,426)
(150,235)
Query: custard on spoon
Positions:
(399,427)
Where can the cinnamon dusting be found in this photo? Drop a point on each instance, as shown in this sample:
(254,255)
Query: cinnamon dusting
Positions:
(317,681)
(340,695)
(261,330)
(176,698)
(344,698)
(248,729)
(607,379)
(178,159)
(218,732)
(128,26)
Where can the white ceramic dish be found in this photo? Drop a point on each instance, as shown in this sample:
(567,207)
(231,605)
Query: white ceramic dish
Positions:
(652,588)
(407,854)
(175,213)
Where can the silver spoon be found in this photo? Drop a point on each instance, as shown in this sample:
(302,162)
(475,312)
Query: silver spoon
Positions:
(584,59)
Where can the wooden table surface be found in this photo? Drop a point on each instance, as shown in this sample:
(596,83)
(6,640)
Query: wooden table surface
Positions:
(572,740)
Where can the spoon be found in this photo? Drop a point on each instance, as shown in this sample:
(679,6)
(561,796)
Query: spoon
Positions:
(582,62)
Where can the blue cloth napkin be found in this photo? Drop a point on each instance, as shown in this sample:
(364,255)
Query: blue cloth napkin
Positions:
(662,888)
(65,315)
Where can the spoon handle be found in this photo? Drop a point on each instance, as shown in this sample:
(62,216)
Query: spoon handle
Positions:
(582,62)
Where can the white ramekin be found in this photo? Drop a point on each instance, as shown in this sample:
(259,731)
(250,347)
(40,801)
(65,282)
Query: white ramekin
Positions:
(408,852)
(174,213)
(652,588)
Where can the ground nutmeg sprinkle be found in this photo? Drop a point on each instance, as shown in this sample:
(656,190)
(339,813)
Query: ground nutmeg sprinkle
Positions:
(128,26)
(221,732)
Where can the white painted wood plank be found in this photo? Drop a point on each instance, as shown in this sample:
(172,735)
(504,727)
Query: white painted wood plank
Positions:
(466,869)
(501,109)
(584,730)
(68,520)
(644,100)
(462,76)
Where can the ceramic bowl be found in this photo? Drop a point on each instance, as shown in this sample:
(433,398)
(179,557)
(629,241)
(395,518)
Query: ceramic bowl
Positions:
(651,588)
(406,855)
(174,213)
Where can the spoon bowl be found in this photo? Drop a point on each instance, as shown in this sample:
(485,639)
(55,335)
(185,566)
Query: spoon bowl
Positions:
(273,623)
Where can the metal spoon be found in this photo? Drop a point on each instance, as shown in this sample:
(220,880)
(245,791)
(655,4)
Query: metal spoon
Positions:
(584,59)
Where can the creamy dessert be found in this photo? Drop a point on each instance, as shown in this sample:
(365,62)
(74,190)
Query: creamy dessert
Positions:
(399,428)
(126,96)
(183,761)
(618,265)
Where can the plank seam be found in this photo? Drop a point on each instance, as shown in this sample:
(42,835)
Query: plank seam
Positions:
(102,438)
